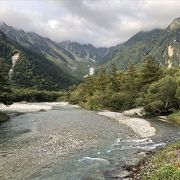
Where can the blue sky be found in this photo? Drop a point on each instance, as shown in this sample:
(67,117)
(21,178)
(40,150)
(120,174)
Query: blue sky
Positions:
(100,22)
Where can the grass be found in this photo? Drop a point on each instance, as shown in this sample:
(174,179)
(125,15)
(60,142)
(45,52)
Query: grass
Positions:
(3,117)
(175,117)
(164,165)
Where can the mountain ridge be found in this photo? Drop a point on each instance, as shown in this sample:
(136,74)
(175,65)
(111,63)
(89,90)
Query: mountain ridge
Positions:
(72,62)
(32,70)
(76,60)
(155,43)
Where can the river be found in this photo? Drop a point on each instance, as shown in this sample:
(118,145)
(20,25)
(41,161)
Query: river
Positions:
(69,143)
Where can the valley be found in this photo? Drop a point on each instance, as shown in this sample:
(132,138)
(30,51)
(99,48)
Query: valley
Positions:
(89,90)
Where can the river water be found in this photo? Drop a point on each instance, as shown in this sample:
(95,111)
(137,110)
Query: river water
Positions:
(68,143)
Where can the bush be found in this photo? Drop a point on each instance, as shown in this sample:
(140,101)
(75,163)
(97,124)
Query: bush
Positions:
(154,107)
(167,172)
(95,102)
(175,117)
(161,96)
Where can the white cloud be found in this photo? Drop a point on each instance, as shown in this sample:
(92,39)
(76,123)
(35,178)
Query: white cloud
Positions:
(100,22)
(53,23)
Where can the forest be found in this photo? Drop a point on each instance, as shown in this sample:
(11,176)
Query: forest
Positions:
(153,86)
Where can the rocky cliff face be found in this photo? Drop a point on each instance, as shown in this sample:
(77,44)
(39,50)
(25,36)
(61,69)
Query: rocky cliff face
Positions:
(175,24)
(14,58)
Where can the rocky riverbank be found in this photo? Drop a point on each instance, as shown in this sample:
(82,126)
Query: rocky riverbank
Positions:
(58,141)
(140,126)
(156,164)
(163,164)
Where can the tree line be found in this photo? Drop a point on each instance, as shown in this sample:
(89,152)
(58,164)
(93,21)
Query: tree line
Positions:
(155,87)
(10,93)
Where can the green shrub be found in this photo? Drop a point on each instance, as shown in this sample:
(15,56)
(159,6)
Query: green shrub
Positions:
(167,172)
(175,117)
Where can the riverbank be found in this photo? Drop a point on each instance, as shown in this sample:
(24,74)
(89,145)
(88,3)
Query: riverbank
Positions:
(163,164)
(140,126)
(61,143)
(53,132)
(174,118)
(156,164)
(25,107)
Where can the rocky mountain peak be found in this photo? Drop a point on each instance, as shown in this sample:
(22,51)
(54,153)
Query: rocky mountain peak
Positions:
(175,24)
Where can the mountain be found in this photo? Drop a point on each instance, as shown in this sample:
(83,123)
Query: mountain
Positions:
(39,62)
(28,68)
(162,44)
(85,50)
(73,58)
(175,24)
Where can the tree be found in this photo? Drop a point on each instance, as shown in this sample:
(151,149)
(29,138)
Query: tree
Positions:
(130,80)
(89,85)
(161,96)
(113,83)
(101,80)
(4,83)
(149,72)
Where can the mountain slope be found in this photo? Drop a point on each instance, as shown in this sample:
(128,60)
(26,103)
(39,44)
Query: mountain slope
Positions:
(158,43)
(29,69)
(85,50)
(73,58)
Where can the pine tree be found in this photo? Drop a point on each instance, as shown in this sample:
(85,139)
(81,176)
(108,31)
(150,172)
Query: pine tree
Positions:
(113,80)
(149,72)
(131,79)
(101,80)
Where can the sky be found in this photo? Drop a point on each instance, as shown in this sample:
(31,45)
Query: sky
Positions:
(103,23)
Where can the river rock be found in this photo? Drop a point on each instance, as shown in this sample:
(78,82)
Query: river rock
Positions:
(122,174)
(135,111)
(3,117)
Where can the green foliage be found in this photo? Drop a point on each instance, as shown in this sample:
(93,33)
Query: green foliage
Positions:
(4,83)
(167,172)
(164,165)
(33,69)
(178,93)
(152,86)
(113,83)
(161,95)
(101,81)
(31,95)
(175,117)
(149,72)
(146,43)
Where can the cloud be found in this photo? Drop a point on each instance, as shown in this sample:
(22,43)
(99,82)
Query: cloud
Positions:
(100,22)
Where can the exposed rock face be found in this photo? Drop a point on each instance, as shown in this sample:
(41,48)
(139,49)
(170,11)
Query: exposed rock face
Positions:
(175,24)
(170,51)
(170,54)
(14,58)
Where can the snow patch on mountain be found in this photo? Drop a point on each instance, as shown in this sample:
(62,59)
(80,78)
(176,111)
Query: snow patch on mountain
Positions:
(91,71)
(92,60)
